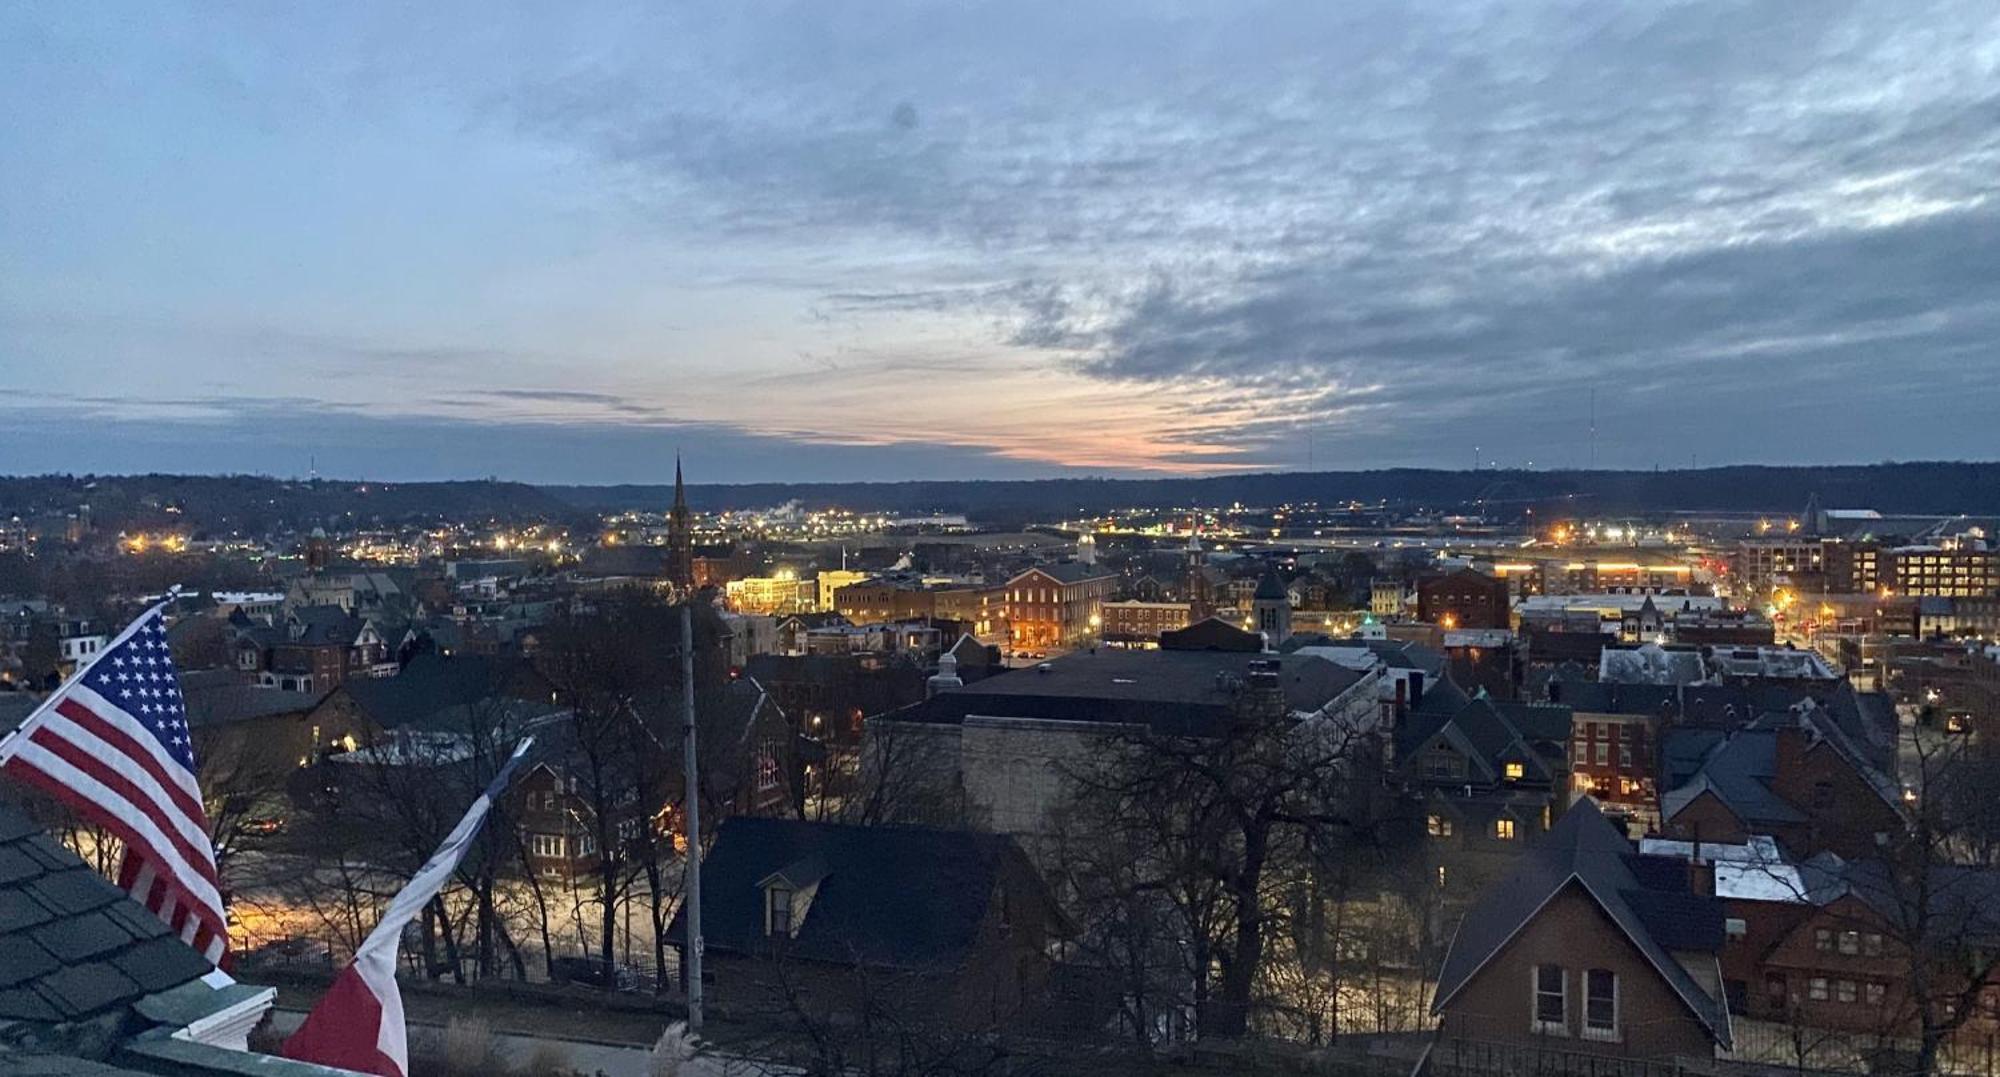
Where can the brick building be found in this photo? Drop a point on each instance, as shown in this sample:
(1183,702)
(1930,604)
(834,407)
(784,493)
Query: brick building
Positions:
(1464,599)
(1054,606)
(1586,954)
(1141,623)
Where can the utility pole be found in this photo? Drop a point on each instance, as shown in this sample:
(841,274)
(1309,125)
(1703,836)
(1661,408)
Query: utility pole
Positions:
(692,818)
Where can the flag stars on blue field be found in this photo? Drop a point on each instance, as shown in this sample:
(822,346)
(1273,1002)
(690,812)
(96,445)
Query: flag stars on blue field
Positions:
(137,676)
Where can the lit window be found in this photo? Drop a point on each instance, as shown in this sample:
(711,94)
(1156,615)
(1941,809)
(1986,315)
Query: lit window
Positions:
(1503,829)
(1439,826)
(1600,1004)
(1515,771)
(1551,1014)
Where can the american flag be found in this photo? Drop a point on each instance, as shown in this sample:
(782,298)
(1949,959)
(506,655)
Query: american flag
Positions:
(113,744)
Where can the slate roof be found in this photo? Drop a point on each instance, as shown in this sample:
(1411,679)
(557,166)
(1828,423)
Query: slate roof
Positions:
(1270,588)
(1496,732)
(1396,654)
(321,626)
(1212,634)
(901,897)
(1648,900)
(220,704)
(433,690)
(15,708)
(1172,692)
(73,946)
(1738,771)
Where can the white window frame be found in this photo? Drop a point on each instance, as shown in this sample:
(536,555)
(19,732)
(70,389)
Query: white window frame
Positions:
(1535,993)
(776,895)
(1590,1031)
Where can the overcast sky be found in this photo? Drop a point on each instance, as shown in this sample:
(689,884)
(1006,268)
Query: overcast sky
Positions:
(881,240)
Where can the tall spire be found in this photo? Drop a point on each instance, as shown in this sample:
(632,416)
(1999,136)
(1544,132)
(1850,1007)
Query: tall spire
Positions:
(680,536)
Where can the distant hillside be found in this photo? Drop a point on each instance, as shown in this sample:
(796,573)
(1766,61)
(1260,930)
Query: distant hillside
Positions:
(1911,488)
(254,505)
(220,504)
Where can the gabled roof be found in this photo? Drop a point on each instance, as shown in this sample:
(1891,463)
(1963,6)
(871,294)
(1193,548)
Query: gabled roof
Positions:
(1738,769)
(1738,772)
(1494,733)
(1648,901)
(901,897)
(1065,572)
(1211,634)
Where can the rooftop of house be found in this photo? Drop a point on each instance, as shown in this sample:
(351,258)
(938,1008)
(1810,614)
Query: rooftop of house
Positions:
(1212,634)
(1396,654)
(75,946)
(212,703)
(1646,897)
(1494,732)
(900,897)
(434,689)
(1650,663)
(1738,768)
(1170,691)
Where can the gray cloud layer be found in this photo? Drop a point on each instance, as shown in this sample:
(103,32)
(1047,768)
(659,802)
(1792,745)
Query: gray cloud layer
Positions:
(1750,229)
(1394,220)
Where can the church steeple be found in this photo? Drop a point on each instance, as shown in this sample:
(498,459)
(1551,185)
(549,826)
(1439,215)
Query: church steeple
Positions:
(680,537)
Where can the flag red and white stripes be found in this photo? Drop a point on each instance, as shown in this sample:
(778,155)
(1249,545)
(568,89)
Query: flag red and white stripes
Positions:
(113,745)
(358,1024)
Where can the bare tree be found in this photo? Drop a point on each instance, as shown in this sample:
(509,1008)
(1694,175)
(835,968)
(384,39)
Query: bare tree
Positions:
(1225,823)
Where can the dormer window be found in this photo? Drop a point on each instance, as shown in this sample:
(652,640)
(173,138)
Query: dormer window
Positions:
(1515,772)
(778,910)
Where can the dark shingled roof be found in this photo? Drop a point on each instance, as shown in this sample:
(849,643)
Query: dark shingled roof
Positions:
(1270,588)
(902,897)
(1738,771)
(1172,692)
(73,946)
(435,690)
(219,704)
(1650,903)
(1212,634)
(1498,732)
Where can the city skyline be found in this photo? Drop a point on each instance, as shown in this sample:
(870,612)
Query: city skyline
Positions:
(825,242)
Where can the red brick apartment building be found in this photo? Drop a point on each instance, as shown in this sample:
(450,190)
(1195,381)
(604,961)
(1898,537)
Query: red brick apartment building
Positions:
(1052,606)
(1465,599)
